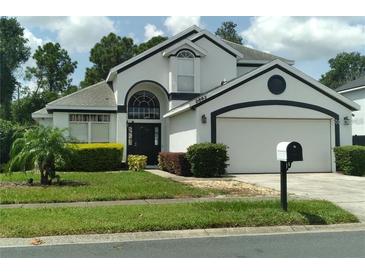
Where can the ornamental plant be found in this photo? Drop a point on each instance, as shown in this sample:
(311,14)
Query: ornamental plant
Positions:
(40,147)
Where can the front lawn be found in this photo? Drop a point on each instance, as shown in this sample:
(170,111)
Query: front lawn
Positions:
(26,222)
(94,186)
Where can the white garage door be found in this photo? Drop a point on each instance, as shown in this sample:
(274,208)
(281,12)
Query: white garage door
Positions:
(252,143)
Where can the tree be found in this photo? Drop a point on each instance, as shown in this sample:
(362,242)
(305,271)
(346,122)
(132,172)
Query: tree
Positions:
(344,67)
(22,109)
(13,52)
(228,32)
(40,146)
(53,69)
(109,52)
(150,43)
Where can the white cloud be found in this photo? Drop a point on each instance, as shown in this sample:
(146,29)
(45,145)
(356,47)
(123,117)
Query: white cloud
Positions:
(76,34)
(33,42)
(175,24)
(306,38)
(151,31)
(134,37)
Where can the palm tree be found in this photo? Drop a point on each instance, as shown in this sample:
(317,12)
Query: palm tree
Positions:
(40,146)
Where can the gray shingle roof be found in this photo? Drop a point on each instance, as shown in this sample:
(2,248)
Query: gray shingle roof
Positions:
(253,54)
(359,82)
(99,95)
(42,111)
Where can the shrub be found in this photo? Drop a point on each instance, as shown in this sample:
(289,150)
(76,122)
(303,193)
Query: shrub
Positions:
(40,147)
(351,159)
(7,131)
(174,162)
(94,157)
(137,162)
(207,159)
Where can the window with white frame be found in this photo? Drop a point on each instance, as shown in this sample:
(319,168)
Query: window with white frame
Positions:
(89,128)
(185,71)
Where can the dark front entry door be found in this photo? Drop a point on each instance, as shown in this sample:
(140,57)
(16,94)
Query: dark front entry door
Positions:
(144,139)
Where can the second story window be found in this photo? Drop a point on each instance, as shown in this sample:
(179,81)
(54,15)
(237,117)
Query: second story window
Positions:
(185,71)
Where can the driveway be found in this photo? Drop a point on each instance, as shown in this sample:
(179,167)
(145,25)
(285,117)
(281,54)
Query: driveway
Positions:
(346,191)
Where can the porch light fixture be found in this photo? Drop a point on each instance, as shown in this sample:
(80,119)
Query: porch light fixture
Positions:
(204,119)
(346,121)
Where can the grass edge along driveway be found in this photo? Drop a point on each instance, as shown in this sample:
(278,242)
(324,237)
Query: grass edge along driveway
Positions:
(95,186)
(27,222)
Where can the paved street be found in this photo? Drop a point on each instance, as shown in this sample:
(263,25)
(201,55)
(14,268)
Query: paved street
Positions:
(346,191)
(325,244)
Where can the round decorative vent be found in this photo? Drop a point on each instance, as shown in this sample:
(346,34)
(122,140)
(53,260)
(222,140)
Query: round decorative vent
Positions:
(276,84)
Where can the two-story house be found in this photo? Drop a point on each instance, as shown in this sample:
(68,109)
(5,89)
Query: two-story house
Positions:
(196,87)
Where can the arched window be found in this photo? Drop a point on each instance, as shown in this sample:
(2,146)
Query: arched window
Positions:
(185,54)
(143,105)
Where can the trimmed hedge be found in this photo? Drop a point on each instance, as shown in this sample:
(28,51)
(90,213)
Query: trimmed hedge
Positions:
(350,159)
(174,162)
(207,159)
(94,157)
(137,162)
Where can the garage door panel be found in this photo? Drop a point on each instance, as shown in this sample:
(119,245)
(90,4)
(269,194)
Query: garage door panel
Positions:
(252,143)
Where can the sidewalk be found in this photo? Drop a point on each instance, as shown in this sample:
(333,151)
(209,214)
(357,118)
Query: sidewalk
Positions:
(178,234)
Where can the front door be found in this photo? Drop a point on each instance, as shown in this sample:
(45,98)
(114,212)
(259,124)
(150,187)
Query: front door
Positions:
(144,139)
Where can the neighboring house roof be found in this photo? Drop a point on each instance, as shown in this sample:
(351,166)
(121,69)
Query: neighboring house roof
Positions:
(99,97)
(250,54)
(42,113)
(355,84)
(210,95)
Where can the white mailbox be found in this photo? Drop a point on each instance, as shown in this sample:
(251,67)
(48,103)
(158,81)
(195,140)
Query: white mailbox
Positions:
(289,152)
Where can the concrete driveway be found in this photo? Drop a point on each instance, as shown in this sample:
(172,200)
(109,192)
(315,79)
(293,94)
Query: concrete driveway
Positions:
(345,191)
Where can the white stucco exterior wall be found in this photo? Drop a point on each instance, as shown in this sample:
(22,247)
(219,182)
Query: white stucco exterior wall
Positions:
(47,122)
(61,120)
(243,70)
(155,68)
(215,66)
(182,131)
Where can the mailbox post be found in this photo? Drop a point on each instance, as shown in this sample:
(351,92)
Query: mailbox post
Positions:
(286,153)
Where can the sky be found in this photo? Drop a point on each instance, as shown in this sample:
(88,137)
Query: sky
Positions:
(310,41)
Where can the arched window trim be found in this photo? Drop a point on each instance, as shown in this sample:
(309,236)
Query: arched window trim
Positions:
(143,105)
(185,53)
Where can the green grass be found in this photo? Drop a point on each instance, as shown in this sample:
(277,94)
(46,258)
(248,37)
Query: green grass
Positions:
(95,186)
(26,222)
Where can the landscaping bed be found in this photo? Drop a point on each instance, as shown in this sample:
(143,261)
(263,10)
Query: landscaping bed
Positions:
(26,222)
(95,186)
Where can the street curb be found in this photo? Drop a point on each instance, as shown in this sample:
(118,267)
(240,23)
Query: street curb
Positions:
(178,234)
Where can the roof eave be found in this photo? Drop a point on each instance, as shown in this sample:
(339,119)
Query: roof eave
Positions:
(217,40)
(351,89)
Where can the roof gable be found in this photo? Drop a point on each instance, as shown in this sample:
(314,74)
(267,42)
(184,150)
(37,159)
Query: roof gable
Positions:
(185,44)
(152,51)
(193,33)
(221,90)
